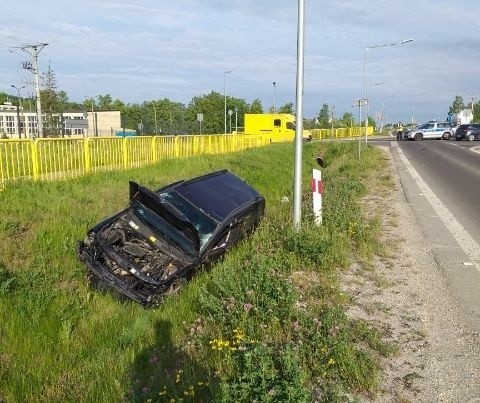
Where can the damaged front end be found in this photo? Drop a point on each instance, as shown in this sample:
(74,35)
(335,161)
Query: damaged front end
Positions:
(143,251)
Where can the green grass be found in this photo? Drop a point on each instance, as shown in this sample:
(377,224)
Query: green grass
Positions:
(265,323)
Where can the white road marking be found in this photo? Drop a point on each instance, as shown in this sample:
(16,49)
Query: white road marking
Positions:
(466,242)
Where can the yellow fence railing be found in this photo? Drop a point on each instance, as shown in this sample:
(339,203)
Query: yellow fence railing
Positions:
(52,159)
(340,132)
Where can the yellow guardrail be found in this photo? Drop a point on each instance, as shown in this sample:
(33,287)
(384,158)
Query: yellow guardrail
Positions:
(341,132)
(52,159)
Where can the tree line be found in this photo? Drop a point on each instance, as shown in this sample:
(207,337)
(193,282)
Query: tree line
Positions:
(459,104)
(164,116)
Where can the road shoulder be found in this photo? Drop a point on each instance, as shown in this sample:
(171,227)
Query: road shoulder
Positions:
(408,297)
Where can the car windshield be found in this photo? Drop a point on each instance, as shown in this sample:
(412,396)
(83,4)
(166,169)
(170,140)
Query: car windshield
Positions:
(163,228)
(205,225)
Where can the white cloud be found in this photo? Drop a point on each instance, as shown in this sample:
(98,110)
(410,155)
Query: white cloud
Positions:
(156,49)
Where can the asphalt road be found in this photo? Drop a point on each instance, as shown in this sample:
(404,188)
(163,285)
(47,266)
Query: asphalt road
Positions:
(452,170)
(441,183)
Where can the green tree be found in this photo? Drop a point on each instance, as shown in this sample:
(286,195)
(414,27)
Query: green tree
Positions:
(3,97)
(287,108)
(52,124)
(347,120)
(213,109)
(105,102)
(457,105)
(165,117)
(476,112)
(255,106)
(324,116)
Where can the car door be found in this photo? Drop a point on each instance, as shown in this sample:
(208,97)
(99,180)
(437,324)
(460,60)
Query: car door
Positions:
(232,234)
(429,131)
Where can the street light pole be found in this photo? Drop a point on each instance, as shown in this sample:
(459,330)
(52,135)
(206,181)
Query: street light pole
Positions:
(21,110)
(274,106)
(236,120)
(297,171)
(225,97)
(365,74)
(155,116)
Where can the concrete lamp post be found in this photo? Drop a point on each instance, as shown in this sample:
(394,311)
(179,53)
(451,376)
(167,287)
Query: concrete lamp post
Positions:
(225,97)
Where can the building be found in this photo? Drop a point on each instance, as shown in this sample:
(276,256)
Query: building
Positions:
(16,123)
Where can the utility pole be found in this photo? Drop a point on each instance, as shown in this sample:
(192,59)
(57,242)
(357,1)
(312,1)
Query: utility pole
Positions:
(333,116)
(34,50)
(155,116)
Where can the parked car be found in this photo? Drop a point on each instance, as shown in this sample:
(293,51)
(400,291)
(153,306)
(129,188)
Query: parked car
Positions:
(156,244)
(430,130)
(468,132)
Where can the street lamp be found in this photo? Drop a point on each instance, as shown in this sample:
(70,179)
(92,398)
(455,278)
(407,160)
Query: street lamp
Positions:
(225,97)
(236,120)
(155,117)
(297,167)
(274,108)
(21,108)
(230,113)
(365,72)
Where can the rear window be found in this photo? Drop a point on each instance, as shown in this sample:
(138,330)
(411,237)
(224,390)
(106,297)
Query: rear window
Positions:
(218,195)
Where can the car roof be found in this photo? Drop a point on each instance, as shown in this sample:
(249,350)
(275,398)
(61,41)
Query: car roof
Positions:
(218,194)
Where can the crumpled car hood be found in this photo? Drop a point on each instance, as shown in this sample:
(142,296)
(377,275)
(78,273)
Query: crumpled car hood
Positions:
(165,210)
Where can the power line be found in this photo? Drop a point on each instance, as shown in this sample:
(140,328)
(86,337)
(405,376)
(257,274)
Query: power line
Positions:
(33,51)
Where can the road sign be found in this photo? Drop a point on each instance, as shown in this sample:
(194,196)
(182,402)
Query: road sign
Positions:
(199,117)
(76,123)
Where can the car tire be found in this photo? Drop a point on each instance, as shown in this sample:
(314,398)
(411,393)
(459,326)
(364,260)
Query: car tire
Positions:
(471,137)
(446,136)
(418,136)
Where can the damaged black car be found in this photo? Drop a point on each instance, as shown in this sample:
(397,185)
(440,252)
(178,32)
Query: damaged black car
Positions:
(157,243)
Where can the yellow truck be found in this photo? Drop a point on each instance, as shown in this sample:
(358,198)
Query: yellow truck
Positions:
(276,126)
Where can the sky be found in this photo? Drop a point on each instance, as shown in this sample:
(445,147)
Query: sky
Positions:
(154,49)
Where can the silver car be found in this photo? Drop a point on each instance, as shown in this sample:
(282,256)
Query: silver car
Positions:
(430,130)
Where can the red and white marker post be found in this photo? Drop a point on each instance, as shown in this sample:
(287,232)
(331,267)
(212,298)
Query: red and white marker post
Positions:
(317,190)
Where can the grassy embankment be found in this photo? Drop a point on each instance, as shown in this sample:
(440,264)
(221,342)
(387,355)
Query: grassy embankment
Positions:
(266,323)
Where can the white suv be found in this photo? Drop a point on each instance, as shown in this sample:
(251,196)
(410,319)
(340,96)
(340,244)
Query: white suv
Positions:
(430,130)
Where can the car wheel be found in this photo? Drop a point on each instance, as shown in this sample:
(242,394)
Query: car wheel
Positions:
(470,137)
(175,286)
(418,136)
(446,136)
